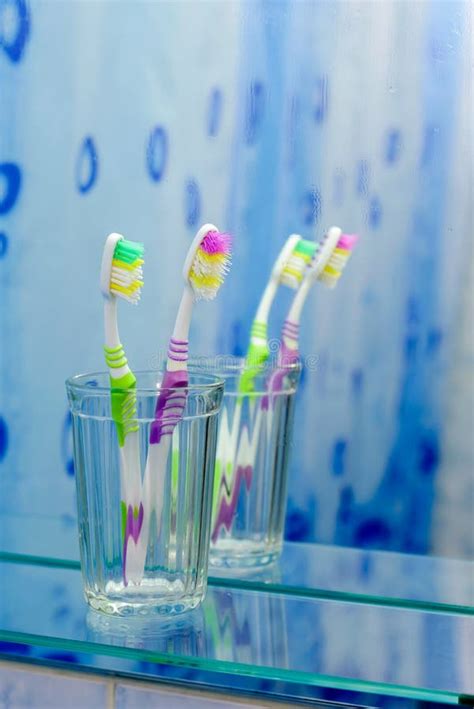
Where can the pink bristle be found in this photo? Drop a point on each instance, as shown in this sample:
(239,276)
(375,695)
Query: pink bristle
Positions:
(216,242)
(347,241)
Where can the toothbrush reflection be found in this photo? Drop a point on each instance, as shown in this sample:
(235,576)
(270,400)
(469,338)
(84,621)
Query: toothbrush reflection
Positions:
(249,628)
(241,628)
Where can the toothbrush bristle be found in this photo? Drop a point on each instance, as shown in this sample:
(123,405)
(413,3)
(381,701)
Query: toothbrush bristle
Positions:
(216,242)
(126,275)
(210,264)
(295,267)
(337,262)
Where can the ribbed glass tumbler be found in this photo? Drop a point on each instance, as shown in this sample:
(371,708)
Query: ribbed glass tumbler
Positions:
(250,483)
(144,509)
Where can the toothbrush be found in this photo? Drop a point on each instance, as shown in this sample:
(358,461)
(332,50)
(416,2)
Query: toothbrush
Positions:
(204,271)
(330,257)
(332,254)
(287,270)
(121,277)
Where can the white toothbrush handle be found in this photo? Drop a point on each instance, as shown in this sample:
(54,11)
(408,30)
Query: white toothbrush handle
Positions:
(168,412)
(155,476)
(131,479)
(152,495)
(129,451)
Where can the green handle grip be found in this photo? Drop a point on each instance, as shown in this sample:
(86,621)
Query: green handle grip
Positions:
(257,355)
(122,394)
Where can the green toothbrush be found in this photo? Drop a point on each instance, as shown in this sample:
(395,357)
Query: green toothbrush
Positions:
(121,277)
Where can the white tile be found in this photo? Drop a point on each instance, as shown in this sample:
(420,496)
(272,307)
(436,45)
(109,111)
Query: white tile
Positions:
(127,697)
(33,689)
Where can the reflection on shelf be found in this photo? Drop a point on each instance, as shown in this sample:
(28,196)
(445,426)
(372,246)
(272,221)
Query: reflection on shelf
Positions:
(239,633)
(384,578)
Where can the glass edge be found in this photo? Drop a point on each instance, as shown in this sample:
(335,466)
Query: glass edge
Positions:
(234,371)
(231,668)
(344,596)
(274,588)
(71,385)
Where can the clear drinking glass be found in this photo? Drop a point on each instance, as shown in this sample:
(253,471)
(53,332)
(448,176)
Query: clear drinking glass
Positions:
(250,483)
(144,530)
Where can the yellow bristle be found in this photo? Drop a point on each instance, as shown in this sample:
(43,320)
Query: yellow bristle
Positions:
(212,258)
(121,279)
(122,289)
(205,281)
(330,271)
(293,272)
(127,266)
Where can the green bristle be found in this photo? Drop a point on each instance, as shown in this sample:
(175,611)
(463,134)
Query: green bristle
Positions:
(128,251)
(306,248)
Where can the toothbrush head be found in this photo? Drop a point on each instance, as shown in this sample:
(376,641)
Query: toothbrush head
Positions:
(207,262)
(298,262)
(121,273)
(332,256)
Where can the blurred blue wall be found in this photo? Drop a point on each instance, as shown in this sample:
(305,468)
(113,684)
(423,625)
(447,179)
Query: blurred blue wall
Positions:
(149,118)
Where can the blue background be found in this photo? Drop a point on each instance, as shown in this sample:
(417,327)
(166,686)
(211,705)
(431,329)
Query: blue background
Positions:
(150,118)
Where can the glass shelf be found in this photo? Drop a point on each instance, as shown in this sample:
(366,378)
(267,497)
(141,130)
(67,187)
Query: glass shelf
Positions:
(312,570)
(240,633)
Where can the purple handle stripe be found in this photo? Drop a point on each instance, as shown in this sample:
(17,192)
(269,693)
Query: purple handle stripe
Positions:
(290,330)
(175,357)
(174,341)
(178,350)
(170,405)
